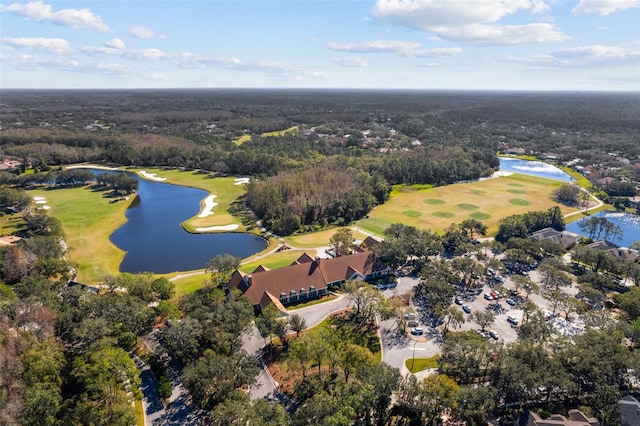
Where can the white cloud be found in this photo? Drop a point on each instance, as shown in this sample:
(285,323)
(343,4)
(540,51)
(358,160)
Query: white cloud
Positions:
(133,54)
(74,18)
(472,22)
(502,34)
(58,46)
(142,32)
(404,48)
(350,61)
(116,43)
(595,56)
(603,7)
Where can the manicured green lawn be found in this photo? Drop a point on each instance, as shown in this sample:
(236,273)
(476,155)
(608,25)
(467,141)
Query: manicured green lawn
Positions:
(246,138)
(276,260)
(88,218)
(317,239)
(488,201)
(10,224)
(190,283)
(420,364)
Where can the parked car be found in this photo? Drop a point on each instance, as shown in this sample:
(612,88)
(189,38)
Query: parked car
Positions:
(498,279)
(487,296)
(511,302)
(513,320)
(493,335)
(466,309)
(417,331)
(490,272)
(458,300)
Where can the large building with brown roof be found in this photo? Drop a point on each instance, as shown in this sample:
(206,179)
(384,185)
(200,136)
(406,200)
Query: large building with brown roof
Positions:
(306,278)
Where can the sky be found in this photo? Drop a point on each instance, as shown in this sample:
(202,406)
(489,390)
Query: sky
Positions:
(539,45)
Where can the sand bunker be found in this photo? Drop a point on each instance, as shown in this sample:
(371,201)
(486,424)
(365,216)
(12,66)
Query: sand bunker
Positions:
(501,173)
(41,201)
(91,166)
(218,228)
(44,207)
(39,198)
(209,204)
(151,176)
(240,181)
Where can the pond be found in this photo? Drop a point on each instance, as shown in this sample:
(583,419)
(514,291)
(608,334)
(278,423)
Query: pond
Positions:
(629,223)
(155,242)
(534,168)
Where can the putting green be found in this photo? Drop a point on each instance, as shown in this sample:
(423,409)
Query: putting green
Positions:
(412,213)
(478,192)
(468,206)
(516,184)
(434,201)
(443,214)
(519,202)
(517,191)
(480,216)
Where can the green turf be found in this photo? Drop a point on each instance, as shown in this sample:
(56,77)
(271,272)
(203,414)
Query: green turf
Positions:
(415,365)
(412,213)
(516,191)
(480,216)
(441,205)
(88,218)
(276,260)
(317,239)
(434,201)
(190,284)
(442,214)
(464,206)
(519,202)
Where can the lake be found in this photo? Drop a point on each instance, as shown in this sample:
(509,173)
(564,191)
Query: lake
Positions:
(155,242)
(629,223)
(534,168)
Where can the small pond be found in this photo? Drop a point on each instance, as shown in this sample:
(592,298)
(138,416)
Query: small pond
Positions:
(154,241)
(629,223)
(535,168)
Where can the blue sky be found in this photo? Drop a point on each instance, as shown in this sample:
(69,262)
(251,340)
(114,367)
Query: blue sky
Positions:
(384,44)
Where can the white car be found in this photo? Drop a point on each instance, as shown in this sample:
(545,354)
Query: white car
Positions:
(417,331)
(494,335)
(513,320)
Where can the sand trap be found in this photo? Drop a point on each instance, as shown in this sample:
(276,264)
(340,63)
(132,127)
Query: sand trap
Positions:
(218,228)
(501,173)
(39,198)
(209,204)
(151,176)
(44,207)
(240,181)
(41,201)
(91,166)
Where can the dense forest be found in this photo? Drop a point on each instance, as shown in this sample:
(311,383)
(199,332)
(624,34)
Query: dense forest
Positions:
(404,137)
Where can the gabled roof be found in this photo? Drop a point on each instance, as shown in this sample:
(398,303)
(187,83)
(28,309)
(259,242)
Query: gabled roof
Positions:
(237,280)
(304,258)
(261,268)
(302,276)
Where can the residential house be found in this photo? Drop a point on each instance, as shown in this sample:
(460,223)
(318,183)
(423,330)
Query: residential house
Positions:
(629,409)
(575,418)
(566,238)
(307,278)
(613,250)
